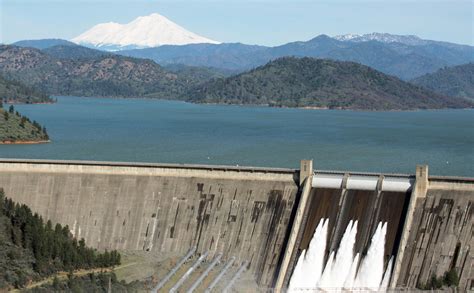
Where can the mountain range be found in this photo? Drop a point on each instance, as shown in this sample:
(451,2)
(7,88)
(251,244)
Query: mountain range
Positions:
(289,81)
(395,58)
(404,60)
(157,38)
(154,57)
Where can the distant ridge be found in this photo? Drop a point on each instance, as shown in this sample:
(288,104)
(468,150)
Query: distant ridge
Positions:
(145,31)
(43,43)
(406,57)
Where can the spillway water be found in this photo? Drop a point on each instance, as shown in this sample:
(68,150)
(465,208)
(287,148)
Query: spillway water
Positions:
(343,270)
(311,260)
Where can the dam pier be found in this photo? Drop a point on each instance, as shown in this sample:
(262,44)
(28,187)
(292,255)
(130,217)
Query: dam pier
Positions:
(261,220)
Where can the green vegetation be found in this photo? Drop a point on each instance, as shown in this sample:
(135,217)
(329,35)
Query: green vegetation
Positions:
(15,92)
(457,81)
(16,128)
(450,279)
(31,249)
(73,51)
(103,75)
(285,82)
(303,82)
(197,74)
(92,282)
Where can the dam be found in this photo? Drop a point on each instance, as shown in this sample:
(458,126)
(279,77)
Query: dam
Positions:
(261,220)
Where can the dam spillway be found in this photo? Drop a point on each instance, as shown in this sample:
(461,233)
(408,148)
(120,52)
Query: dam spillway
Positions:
(260,216)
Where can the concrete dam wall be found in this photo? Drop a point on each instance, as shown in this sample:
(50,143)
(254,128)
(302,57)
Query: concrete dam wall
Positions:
(265,217)
(238,212)
(440,236)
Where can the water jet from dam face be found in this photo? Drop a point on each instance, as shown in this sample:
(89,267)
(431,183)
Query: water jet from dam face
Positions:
(343,270)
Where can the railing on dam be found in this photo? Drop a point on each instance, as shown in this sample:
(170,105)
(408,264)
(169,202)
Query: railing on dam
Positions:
(151,165)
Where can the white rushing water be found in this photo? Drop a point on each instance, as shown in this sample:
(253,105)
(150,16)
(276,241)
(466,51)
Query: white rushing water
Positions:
(310,260)
(343,270)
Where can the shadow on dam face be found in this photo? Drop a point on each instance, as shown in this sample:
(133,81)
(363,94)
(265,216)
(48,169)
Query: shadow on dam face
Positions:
(368,208)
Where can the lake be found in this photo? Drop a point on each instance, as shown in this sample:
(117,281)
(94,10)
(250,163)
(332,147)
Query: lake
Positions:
(141,130)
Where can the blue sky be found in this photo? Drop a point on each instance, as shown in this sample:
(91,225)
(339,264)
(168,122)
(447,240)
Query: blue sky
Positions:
(261,22)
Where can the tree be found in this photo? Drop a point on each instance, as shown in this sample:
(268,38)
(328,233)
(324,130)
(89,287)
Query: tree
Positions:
(22,122)
(45,133)
(56,283)
(53,250)
(2,198)
(451,278)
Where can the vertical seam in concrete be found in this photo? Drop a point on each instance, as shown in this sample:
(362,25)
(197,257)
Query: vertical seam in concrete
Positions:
(419,191)
(298,224)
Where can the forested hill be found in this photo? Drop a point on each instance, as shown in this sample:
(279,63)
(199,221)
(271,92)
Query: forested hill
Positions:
(15,92)
(106,75)
(456,81)
(308,82)
(32,249)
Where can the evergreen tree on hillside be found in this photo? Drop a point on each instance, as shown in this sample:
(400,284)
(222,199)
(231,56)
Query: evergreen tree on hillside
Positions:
(53,249)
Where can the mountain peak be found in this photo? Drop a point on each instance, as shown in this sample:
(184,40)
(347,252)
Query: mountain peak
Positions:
(382,37)
(145,31)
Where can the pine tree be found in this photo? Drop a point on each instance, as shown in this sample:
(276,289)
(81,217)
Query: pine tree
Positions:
(23,121)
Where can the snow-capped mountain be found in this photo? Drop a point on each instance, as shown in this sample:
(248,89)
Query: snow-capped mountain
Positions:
(384,38)
(145,31)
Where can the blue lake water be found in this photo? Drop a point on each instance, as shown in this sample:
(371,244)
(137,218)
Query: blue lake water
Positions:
(176,132)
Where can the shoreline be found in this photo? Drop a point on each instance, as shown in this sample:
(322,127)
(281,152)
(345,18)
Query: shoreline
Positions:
(260,105)
(23,103)
(10,142)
